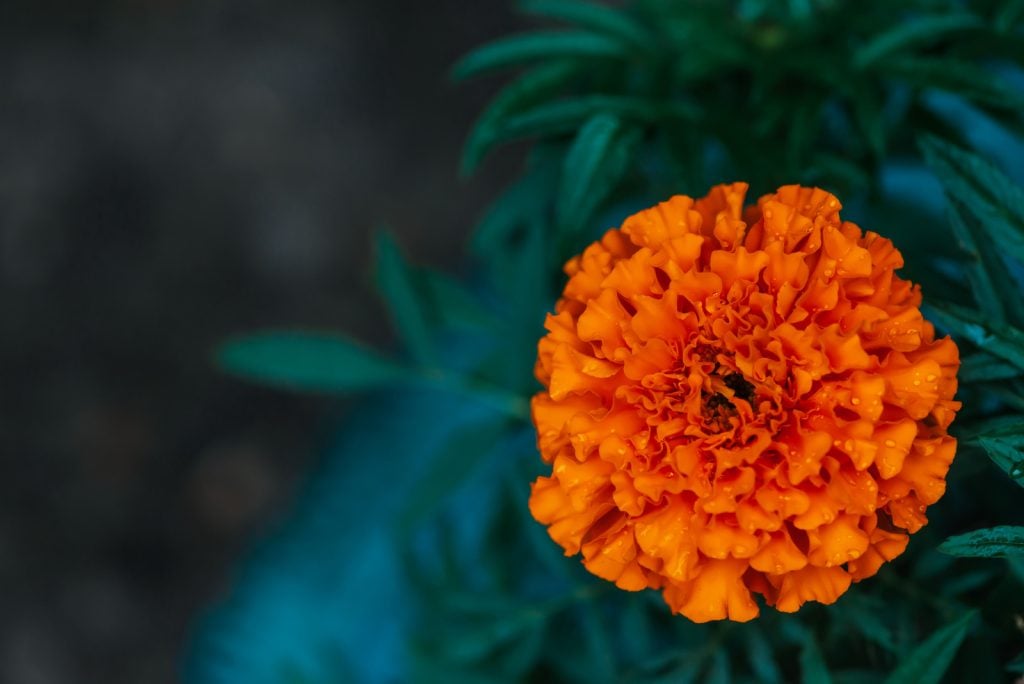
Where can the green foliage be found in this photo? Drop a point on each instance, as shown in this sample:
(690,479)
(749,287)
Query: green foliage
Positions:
(319,362)
(995,542)
(626,104)
(927,663)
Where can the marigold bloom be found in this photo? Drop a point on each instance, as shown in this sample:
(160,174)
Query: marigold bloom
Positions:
(740,400)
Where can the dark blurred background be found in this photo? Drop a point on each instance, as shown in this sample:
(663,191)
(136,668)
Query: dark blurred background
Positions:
(172,172)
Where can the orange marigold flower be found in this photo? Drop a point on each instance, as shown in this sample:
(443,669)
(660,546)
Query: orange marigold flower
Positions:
(740,400)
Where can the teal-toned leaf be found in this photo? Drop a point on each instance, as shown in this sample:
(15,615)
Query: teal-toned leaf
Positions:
(522,49)
(992,542)
(968,80)
(566,116)
(857,677)
(468,449)
(812,664)
(762,658)
(610,21)
(397,285)
(983,190)
(917,32)
(866,615)
(311,361)
(988,297)
(1009,15)
(529,89)
(1004,341)
(929,660)
(454,305)
(1016,665)
(985,368)
(1006,453)
(594,165)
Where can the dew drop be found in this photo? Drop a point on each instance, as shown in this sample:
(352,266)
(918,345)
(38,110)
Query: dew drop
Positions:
(1017,470)
(890,443)
(930,377)
(855,401)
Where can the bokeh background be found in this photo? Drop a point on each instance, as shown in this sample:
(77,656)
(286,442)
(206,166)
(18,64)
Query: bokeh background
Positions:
(171,172)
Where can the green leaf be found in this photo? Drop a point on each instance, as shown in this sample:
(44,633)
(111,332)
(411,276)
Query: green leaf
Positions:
(928,662)
(396,284)
(762,658)
(522,49)
(529,89)
(1009,15)
(988,297)
(981,189)
(454,305)
(1004,341)
(985,368)
(594,165)
(565,116)
(969,80)
(1017,664)
(609,21)
(992,542)
(311,361)
(913,33)
(812,664)
(1005,453)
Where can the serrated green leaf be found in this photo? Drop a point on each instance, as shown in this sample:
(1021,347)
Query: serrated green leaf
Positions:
(916,32)
(529,89)
(985,368)
(1005,453)
(992,542)
(988,297)
(928,662)
(396,284)
(812,664)
(610,21)
(1004,341)
(594,165)
(310,361)
(522,49)
(983,190)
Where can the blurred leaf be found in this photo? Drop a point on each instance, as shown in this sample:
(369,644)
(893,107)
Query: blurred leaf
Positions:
(985,368)
(928,662)
(594,165)
(866,615)
(1016,665)
(983,190)
(1004,341)
(812,664)
(1009,15)
(396,284)
(529,89)
(762,658)
(913,33)
(311,361)
(1008,456)
(515,51)
(465,451)
(969,80)
(454,305)
(994,542)
(609,21)
(566,116)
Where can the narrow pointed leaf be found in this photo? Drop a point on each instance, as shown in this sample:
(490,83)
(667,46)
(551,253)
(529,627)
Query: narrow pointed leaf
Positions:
(812,663)
(966,79)
(595,163)
(915,33)
(986,294)
(1004,341)
(993,542)
(1006,454)
(528,90)
(519,50)
(609,21)
(983,190)
(396,284)
(311,361)
(985,368)
(927,663)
